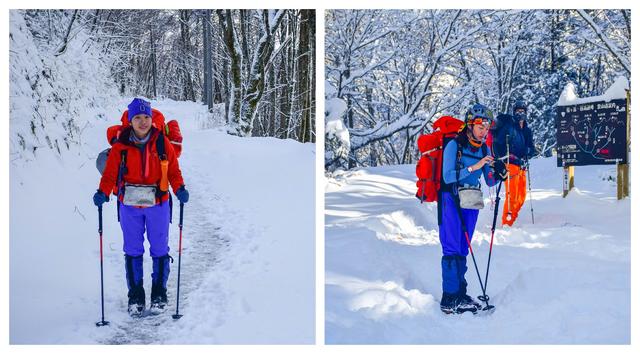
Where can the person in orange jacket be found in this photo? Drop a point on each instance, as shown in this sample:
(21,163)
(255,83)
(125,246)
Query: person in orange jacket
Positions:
(141,165)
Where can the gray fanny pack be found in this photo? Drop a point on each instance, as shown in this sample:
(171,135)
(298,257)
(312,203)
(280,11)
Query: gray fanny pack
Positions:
(139,195)
(470,197)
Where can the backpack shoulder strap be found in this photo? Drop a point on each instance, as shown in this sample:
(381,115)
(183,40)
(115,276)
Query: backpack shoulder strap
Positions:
(162,153)
(458,161)
(123,163)
(122,169)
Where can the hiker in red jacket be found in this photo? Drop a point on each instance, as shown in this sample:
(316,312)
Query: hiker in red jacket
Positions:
(141,165)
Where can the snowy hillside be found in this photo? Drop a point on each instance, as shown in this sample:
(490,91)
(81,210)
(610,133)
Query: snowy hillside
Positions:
(564,279)
(248,259)
(53,99)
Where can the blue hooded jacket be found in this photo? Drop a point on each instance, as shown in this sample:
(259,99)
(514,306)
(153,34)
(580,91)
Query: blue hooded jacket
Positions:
(520,140)
(470,156)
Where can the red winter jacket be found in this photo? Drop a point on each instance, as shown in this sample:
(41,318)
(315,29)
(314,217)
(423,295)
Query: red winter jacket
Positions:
(141,168)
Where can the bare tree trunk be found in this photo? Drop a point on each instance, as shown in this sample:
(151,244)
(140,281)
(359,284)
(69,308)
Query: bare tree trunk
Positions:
(219,94)
(244,38)
(261,56)
(311,74)
(283,96)
(205,53)
(283,82)
(226,23)
(226,73)
(188,91)
(208,70)
(303,76)
(246,96)
(153,62)
(271,87)
(291,73)
(65,41)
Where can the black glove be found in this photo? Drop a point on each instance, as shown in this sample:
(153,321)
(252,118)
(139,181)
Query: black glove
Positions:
(500,170)
(99,198)
(513,159)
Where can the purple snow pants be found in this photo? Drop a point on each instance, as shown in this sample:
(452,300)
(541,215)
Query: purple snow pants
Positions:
(454,244)
(155,220)
(452,238)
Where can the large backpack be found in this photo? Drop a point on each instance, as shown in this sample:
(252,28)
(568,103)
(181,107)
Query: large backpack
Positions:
(171,129)
(431,146)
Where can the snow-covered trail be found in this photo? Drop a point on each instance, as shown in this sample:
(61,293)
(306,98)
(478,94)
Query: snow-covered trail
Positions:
(564,279)
(248,245)
(205,248)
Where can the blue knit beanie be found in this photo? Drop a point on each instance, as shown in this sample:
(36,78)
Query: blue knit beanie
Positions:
(139,106)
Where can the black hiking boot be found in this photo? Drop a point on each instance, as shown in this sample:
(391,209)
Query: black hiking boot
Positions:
(158,298)
(136,301)
(452,304)
(465,299)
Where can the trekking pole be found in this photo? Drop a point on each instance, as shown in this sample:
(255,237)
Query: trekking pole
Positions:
(530,193)
(177,315)
(507,192)
(102,322)
(484,297)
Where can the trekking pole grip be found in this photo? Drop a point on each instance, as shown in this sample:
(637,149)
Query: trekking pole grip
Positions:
(100,219)
(181,213)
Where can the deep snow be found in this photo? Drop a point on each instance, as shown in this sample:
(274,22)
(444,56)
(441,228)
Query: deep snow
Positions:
(248,243)
(564,279)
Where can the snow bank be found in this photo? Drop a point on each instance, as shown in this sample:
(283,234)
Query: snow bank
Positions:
(617,90)
(563,280)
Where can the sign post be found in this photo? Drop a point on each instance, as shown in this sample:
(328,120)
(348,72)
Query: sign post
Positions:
(567,184)
(623,169)
(623,181)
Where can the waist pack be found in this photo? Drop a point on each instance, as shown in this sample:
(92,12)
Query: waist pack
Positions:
(470,198)
(139,195)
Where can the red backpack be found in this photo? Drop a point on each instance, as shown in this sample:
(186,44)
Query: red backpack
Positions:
(431,146)
(171,129)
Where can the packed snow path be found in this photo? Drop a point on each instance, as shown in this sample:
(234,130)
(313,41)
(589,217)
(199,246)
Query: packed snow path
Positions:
(248,268)
(564,279)
(204,244)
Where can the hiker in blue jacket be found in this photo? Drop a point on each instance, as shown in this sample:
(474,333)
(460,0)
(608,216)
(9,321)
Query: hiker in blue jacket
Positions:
(512,135)
(465,159)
